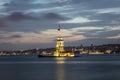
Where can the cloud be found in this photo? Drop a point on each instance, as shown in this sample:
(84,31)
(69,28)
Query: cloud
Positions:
(83,11)
(17,5)
(97,4)
(6,35)
(108,10)
(21,19)
(54,16)
(74,38)
(104,19)
(78,20)
(24,37)
(114,37)
(18,16)
(32,5)
(2,23)
(15,36)
(106,16)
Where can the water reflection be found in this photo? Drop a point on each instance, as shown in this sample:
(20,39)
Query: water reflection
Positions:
(60,69)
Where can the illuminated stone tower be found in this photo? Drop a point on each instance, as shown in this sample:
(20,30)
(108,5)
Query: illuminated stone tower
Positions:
(60,52)
(60,44)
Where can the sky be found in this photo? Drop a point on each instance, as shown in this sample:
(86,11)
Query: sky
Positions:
(28,24)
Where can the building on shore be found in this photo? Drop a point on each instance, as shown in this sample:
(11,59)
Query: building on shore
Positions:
(60,51)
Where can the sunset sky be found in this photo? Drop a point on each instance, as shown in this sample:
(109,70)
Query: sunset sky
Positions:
(27,24)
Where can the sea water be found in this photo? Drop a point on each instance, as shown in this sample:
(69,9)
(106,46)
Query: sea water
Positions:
(85,67)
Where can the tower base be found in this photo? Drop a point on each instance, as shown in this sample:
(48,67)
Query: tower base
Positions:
(64,54)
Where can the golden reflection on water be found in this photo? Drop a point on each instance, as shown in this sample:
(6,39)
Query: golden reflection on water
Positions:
(60,69)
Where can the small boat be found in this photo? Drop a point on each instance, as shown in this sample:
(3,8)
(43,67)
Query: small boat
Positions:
(45,55)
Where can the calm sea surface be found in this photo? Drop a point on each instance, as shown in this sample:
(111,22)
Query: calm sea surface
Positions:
(85,67)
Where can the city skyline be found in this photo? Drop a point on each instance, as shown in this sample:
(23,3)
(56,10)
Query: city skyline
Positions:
(27,24)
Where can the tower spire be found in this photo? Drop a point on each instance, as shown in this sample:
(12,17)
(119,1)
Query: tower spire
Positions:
(59,31)
(59,28)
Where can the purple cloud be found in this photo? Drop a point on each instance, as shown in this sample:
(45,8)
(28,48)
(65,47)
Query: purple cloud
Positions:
(2,23)
(18,16)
